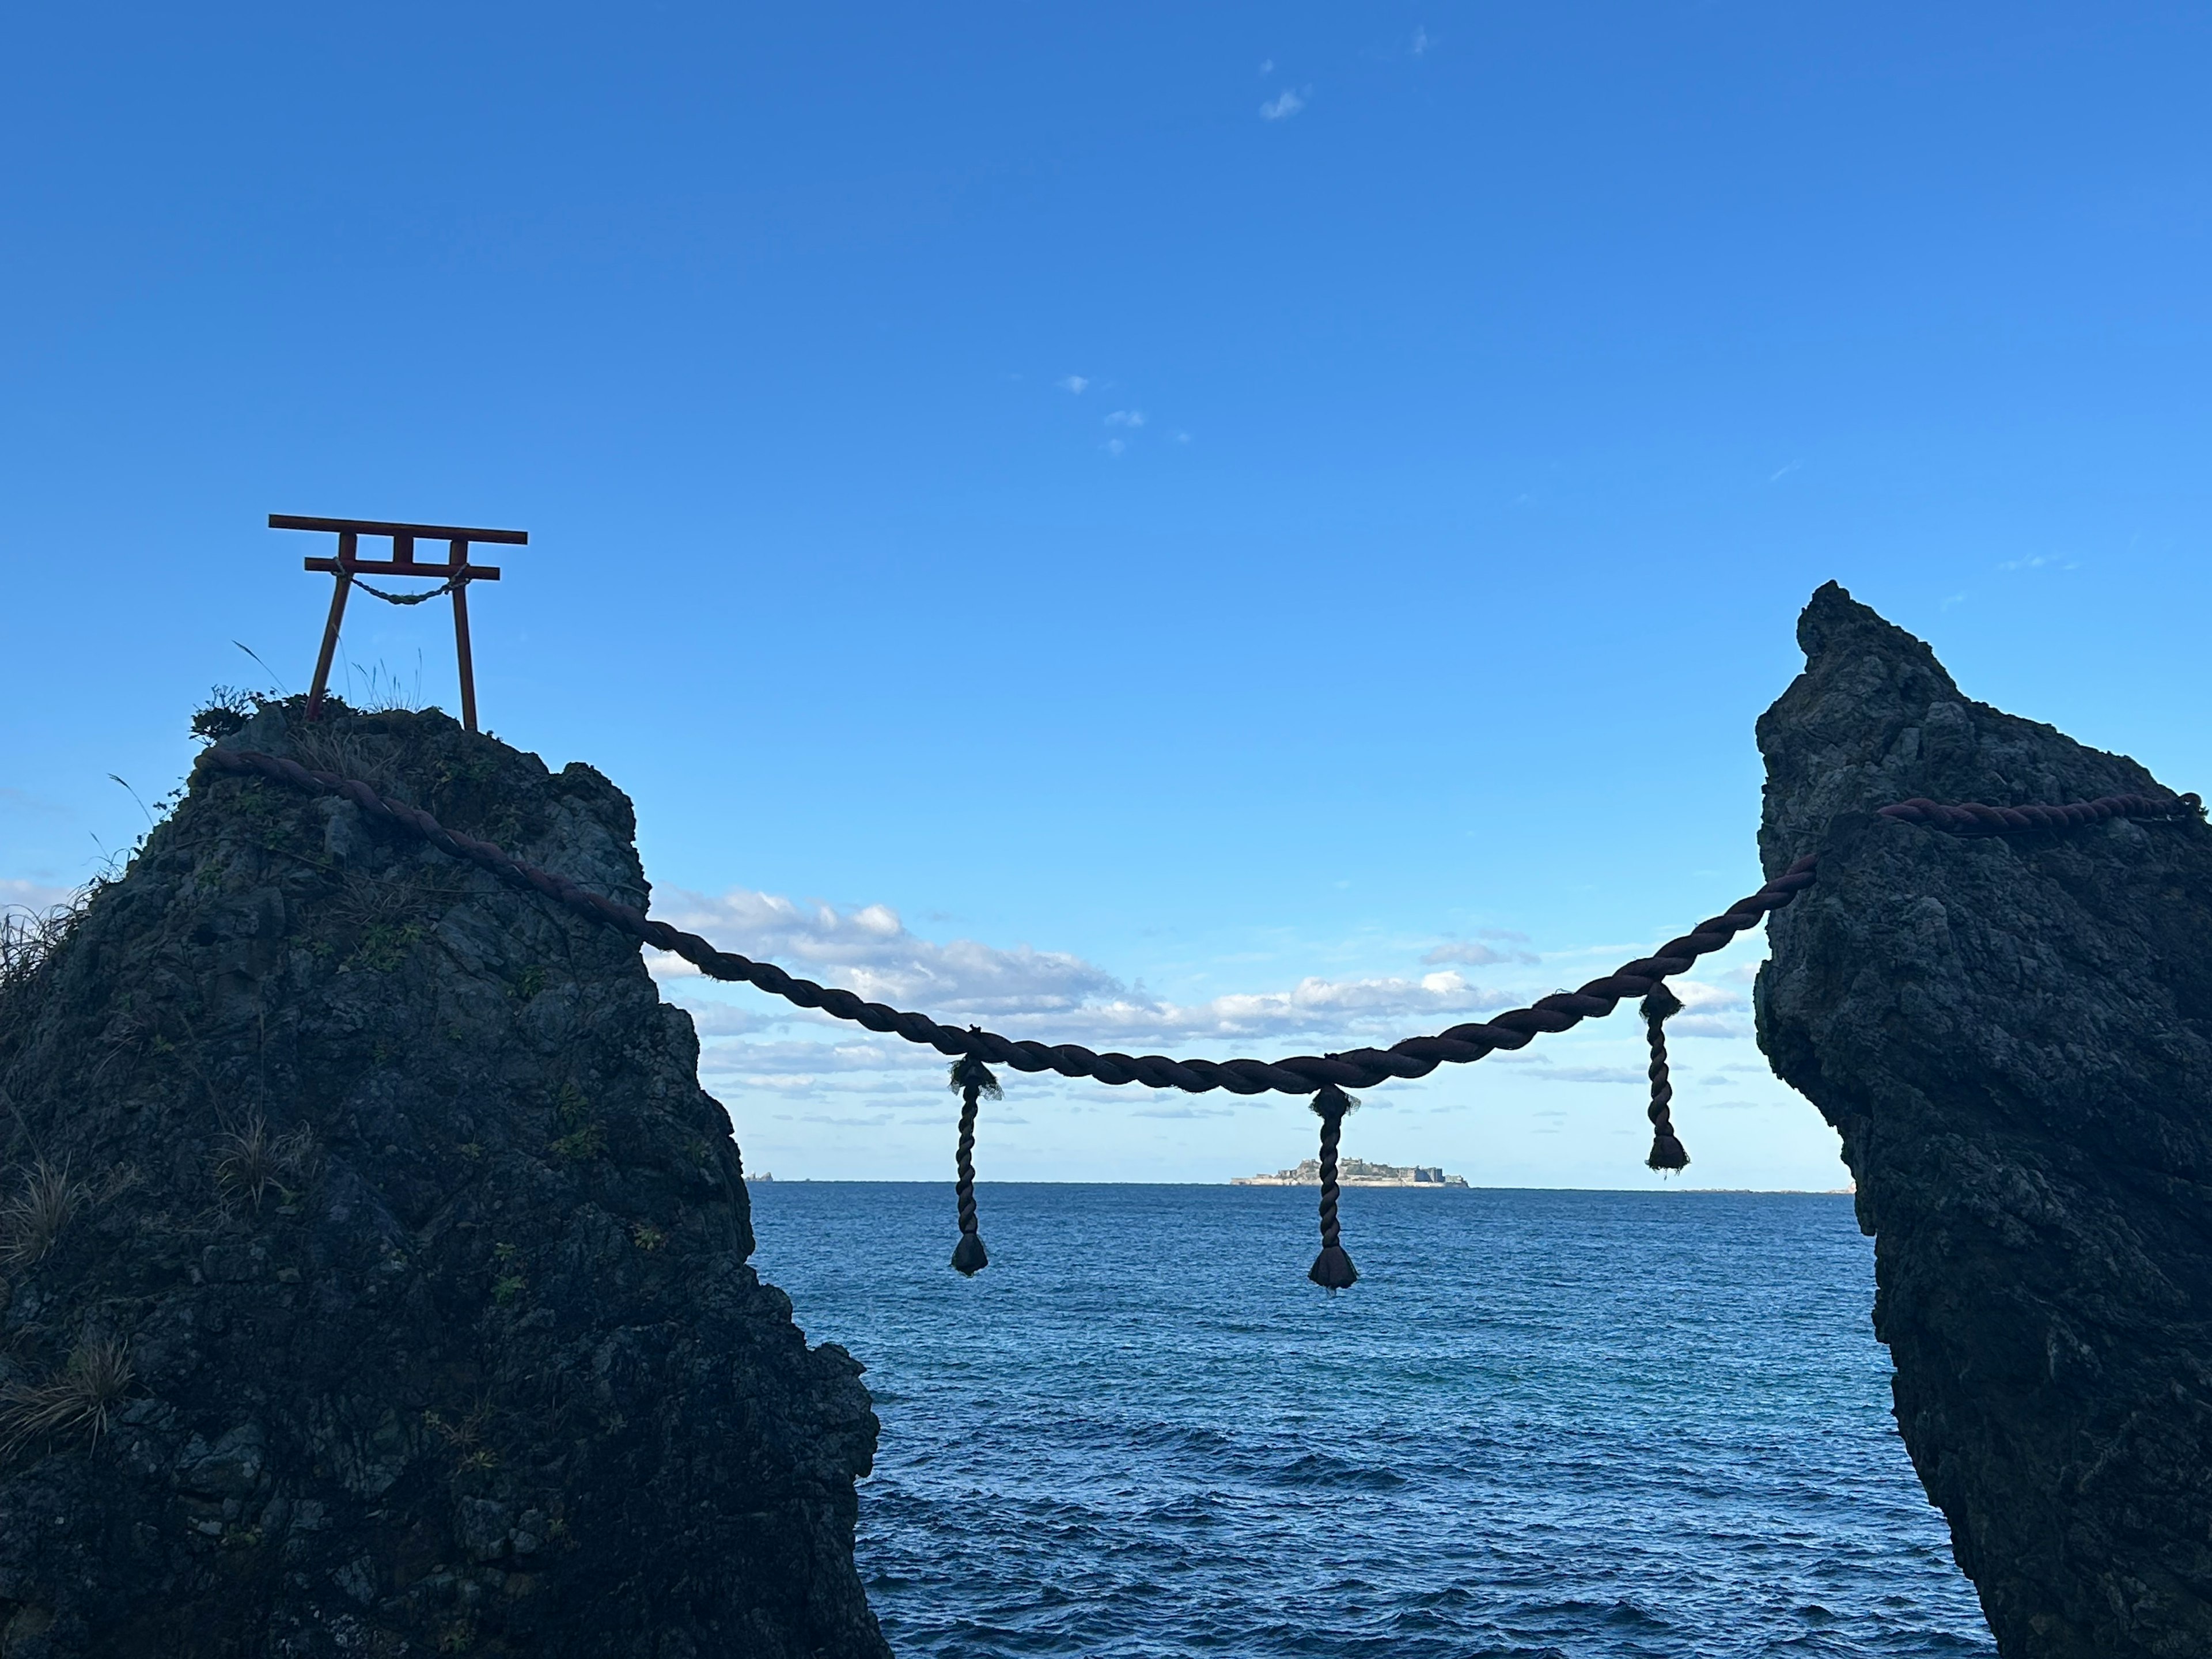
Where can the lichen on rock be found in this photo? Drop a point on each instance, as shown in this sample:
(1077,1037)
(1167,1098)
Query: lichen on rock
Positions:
(375,1268)
(2014,1037)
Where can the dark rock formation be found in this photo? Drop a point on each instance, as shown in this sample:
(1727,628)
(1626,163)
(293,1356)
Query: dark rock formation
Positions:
(395,1193)
(2014,1037)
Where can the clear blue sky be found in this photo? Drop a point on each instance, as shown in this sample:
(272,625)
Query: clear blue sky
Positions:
(1222,497)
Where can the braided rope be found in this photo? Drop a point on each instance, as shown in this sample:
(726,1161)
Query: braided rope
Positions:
(1297,1074)
(1666,1151)
(1332,1269)
(972,1079)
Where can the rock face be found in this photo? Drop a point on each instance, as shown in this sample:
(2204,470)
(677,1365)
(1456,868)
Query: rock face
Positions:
(2014,1037)
(394,1193)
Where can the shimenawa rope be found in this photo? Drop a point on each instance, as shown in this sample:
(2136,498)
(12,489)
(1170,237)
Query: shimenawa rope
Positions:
(1324,1076)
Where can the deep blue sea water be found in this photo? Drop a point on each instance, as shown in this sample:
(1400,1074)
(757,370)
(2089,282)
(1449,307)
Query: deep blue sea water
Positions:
(1543,1423)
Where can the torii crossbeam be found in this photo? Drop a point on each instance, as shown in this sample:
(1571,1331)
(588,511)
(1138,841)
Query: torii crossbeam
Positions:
(456,572)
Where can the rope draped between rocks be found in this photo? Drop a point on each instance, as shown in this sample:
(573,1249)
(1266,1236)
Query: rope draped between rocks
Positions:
(1323,1076)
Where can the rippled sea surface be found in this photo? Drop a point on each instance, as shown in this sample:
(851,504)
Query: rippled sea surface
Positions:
(1543,1423)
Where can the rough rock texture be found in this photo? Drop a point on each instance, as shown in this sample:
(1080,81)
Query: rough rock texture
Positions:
(397,1192)
(2014,1038)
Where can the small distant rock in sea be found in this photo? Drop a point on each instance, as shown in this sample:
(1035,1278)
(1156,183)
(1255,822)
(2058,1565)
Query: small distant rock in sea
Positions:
(1356,1172)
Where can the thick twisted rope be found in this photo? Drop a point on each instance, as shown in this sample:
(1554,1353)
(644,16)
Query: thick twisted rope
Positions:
(1667,1150)
(1332,1269)
(1978,820)
(1297,1075)
(971,1079)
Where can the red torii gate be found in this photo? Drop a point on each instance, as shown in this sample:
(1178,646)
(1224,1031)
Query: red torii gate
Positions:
(456,574)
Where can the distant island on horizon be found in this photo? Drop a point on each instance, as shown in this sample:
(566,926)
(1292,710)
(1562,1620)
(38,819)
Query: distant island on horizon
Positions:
(1356,1172)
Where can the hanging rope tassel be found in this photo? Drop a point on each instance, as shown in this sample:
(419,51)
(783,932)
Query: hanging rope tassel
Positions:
(1667,1152)
(1332,1269)
(973,1079)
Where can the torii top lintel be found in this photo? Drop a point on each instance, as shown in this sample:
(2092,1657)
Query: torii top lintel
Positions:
(456,572)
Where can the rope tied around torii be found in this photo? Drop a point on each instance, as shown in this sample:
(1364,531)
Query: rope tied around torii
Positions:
(1297,1074)
(460,579)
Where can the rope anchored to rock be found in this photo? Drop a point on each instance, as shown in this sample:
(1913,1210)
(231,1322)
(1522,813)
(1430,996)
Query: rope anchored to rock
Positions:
(1297,1074)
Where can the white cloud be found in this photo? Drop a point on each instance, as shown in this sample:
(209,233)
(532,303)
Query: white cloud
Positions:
(1114,446)
(1421,42)
(1283,106)
(1048,995)
(1074,383)
(869,951)
(1129,418)
(1267,66)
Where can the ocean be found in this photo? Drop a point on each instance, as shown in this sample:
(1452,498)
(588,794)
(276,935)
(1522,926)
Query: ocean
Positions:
(1542,1424)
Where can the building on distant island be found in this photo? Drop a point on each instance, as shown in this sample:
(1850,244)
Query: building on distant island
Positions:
(1356,1172)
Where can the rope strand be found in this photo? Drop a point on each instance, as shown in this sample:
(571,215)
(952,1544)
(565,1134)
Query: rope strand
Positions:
(1667,1152)
(971,1079)
(1332,1269)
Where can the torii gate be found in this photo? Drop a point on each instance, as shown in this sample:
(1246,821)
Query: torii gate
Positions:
(456,574)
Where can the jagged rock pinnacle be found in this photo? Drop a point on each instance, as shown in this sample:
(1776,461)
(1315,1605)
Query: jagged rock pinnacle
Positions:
(396,1256)
(2014,1037)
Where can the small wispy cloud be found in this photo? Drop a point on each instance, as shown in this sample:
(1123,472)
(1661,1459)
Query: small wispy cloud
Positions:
(1129,418)
(1474,955)
(1782,472)
(1114,447)
(1283,106)
(1956,599)
(1267,66)
(2041,562)
(1421,42)
(1182,437)
(17,894)
(1074,383)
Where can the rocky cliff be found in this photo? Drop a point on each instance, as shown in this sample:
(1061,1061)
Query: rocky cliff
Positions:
(376,1269)
(2014,1037)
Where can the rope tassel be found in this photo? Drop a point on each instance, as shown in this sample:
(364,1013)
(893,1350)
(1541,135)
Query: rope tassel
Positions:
(972,1079)
(1667,1152)
(1332,1269)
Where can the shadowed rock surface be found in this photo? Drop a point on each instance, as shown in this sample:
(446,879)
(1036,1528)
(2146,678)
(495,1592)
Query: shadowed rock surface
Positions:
(2014,1037)
(396,1193)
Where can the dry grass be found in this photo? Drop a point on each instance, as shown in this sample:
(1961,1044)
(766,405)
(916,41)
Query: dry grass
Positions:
(78,1396)
(29,938)
(328,746)
(250,1161)
(33,1216)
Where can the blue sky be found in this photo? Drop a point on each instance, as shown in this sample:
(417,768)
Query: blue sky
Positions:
(1234,529)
